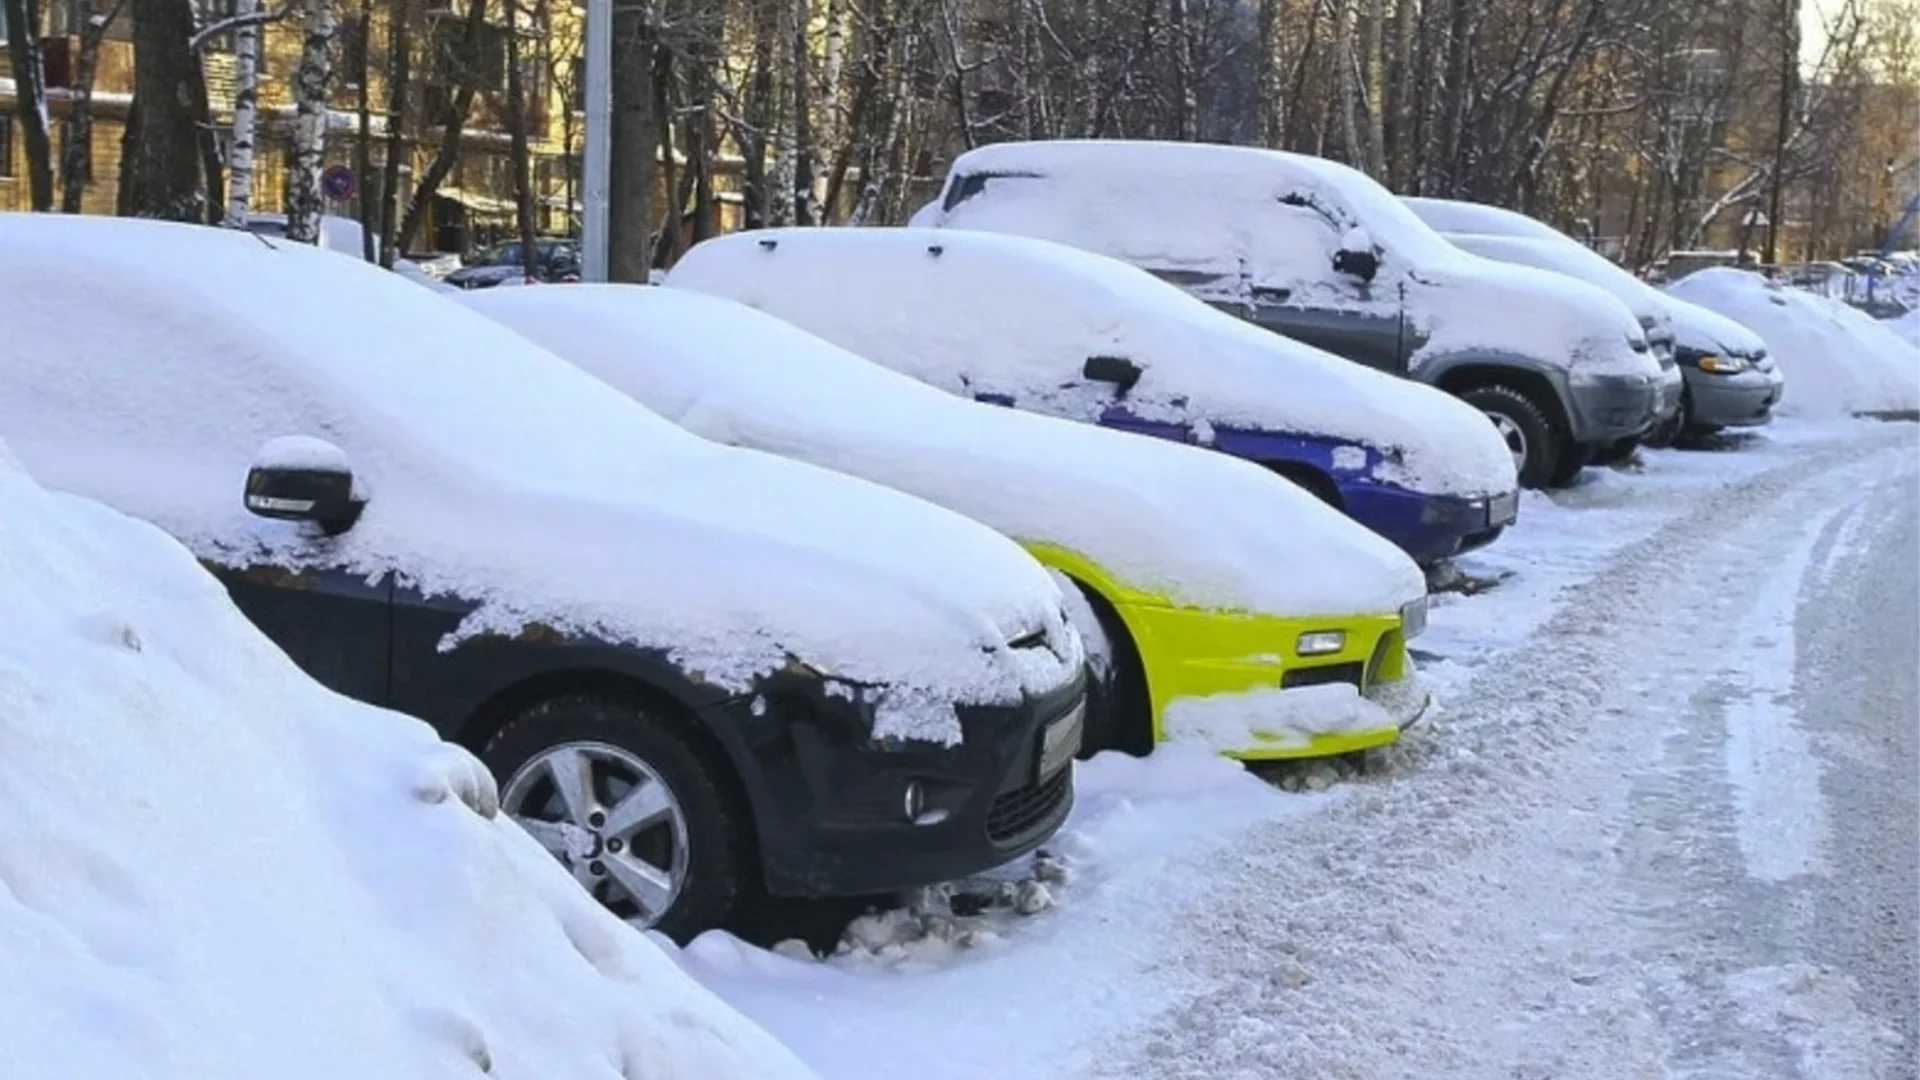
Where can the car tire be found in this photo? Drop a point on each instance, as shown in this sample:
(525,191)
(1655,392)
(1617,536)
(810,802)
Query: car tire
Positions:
(1573,458)
(1119,709)
(702,847)
(1530,436)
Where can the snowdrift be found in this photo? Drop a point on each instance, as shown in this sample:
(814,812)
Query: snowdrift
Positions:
(1837,361)
(213,869)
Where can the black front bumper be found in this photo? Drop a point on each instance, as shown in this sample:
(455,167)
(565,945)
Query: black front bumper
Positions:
(830,804)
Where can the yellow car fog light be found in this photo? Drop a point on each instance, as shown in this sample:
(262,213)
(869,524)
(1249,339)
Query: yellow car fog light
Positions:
(1321,642)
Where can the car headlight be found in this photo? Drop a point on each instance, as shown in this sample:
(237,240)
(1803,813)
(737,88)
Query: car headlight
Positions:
(1413,618)
(1722,365)
(1321,642)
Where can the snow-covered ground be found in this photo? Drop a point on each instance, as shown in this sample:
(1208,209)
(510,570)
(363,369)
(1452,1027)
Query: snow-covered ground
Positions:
(211,868)
(1662,824)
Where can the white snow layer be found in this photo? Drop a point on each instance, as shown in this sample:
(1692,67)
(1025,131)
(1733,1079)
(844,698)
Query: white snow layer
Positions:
(212,869)
(1187,524)
(1273,716)
(498,472)
(979,313)
(1837,361)
(1248,218)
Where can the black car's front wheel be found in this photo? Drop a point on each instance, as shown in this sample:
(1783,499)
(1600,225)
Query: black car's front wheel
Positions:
(631,804)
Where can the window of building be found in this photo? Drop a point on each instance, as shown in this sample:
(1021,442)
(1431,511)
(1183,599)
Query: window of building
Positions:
(6,144)
(3,24)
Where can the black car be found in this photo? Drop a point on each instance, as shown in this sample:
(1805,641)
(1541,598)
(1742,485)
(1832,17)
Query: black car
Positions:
(554,260)
(700,673)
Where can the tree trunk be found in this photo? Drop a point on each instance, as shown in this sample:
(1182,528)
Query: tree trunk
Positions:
(161,170)
(246,104)
(211,168)
(788,27)
(399,57)
(519,157)
(1376,90)
(1401,99)
(363,140)
(306,203)
(1186,117)
(1453,92)
(1347,78)
(1789,71)
(76,155)
(634,135)
(1270,107)
(453,127)
(30,100)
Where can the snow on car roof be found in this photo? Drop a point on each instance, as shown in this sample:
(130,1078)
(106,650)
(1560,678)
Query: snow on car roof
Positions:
(216,869)
(1175,521)
(989,313)
(1837,361)
(1572,258)
(1224,220)
(1454,216)
(146,362)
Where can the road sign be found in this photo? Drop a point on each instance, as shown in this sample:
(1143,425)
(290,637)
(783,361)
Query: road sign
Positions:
(337,182)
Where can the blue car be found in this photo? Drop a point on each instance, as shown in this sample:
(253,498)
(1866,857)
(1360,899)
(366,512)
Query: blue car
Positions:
(1039,326)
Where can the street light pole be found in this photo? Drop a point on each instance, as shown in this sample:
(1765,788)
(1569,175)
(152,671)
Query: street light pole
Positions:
(595,181)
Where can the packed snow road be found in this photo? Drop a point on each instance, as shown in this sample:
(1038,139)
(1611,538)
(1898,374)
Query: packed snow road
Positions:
(1672,835)
(1663,823)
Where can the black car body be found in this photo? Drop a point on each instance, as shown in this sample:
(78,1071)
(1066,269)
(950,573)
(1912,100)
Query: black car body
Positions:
(616,616)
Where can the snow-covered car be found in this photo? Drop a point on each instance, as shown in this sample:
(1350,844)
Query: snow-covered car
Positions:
(697,670)
(1225,605)
(346,237)
(216,869)
(1321,253)
(1837,361)
(1048,328)
(1720,376)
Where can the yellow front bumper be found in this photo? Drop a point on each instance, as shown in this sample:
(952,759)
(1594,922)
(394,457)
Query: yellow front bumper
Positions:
(1244,666)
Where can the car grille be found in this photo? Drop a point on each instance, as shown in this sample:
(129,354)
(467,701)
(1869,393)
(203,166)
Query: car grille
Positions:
(1326,673)
(1016,814)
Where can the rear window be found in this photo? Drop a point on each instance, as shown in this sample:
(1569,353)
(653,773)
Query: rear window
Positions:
(966,185)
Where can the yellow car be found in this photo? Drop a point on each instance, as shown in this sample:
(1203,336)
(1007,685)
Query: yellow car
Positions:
(1221,604)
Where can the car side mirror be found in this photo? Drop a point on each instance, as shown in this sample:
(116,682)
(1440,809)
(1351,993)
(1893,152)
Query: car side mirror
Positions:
(297,478)
(1362,264)
(1118,370)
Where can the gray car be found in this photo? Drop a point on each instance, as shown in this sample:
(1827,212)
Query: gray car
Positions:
(1724,377)
(1322,254)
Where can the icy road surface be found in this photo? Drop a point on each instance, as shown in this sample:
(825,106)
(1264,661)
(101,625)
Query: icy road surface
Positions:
(1665,825)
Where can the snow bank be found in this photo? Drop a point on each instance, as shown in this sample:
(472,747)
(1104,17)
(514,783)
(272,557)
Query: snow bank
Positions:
(497,472)
(212,869)
(1837,361)
(1184,523)
(979,313)
(1228,220)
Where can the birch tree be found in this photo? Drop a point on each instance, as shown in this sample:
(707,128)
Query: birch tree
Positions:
(305,201)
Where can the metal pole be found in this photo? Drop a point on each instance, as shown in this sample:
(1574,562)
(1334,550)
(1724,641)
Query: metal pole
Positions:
(594,181)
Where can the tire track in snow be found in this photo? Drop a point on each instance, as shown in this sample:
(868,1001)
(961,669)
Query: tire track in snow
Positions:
(1454,919)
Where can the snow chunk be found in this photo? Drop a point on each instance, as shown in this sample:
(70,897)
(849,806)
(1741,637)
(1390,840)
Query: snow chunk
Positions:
(1192,526)
(1837,361)
(501,475)
(301,452)
(1272,717)
(210,867)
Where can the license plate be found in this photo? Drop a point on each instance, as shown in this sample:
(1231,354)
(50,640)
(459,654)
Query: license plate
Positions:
(1502,509)
(1061,740)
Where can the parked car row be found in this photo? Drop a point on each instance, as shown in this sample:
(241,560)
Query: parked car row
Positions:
(811,571)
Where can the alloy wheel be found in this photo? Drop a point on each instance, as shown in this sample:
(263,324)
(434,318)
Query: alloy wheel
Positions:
(609,818)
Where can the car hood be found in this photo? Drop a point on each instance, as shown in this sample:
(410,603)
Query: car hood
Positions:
(1470,304)
(1167,522)
(495,471)
(1699,330)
